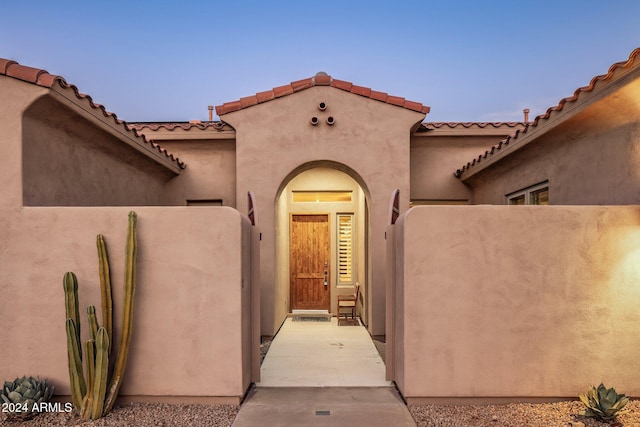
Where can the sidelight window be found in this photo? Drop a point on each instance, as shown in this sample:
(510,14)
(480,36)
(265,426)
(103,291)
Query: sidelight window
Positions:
(345,249)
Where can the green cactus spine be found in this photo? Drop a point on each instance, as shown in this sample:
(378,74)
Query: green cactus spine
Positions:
(91,398)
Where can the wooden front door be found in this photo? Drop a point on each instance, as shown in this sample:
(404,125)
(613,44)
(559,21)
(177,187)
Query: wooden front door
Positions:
(309,262)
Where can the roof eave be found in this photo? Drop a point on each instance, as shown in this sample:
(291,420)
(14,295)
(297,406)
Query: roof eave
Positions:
(184,132)
(467,129)
(599,88)
(82,104)
(318,80)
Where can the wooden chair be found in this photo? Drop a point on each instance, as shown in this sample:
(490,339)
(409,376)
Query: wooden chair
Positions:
(350,302)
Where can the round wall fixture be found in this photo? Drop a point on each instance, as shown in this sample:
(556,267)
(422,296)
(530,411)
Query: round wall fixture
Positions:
(314,120)
(322,106)
(330,120)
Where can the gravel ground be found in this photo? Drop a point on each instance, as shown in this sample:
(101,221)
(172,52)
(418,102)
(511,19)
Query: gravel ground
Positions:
(516,415)
(513,415)
(140,414)
(264,348)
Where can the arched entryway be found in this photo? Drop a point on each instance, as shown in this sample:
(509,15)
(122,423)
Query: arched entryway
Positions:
(321,212)
(322,251)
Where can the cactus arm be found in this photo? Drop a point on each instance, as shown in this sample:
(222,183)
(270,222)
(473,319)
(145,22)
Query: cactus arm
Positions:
(78,386)
(70,285)
(131,252)
(105,288)
(93,322)
(90,355)
(85,409)
(89,349)
(102,368)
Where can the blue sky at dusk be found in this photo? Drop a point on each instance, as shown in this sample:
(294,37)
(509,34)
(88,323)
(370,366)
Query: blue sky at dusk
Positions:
(468,60)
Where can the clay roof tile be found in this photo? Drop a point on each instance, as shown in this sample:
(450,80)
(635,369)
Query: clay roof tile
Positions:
(416,106)
(170,126)
(395,100)
(556,109)
(361,90)
(378,96)
(282,91)
(341,84)
(248,101)
(264,96)
(302,84)
(43,78)
(36,76)
(320,79)
(4,64)
(232,106)
(28,74)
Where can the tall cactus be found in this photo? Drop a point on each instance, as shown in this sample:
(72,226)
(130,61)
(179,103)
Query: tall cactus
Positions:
(90,395)
(131,254)
(105,287)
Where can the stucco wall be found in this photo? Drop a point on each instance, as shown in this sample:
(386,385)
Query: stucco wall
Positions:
(369,138)
(192,319)
(68,161)
(517,301)
(435,158)
(210,172)
(16,97)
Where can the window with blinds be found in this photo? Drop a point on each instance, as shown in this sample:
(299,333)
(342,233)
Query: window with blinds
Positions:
(345,249)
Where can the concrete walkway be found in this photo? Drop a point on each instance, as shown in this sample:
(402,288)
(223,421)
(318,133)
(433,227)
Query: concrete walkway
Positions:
(324,406)
(322,354)
(321,374)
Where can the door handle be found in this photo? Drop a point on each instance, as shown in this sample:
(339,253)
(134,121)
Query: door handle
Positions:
(326,274)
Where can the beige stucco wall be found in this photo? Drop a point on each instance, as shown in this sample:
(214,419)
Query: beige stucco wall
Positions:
(192,323)
(16,98)
(590,157)
(435,157)
(210,173)
(370,139)
(69,161)
(517,301)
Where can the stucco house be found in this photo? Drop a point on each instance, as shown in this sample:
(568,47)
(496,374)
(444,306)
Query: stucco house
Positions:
(304,179)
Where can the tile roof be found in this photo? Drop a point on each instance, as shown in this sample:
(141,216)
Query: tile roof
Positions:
(320,79)
(42,78)
(552,111)
(471,124)
(219,126)
(437,125)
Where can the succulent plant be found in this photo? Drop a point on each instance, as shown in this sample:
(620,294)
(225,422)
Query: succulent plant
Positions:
(20,396)
(603,403)
(92,393)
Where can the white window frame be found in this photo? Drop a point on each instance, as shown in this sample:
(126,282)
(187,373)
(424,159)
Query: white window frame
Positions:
(526,192)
